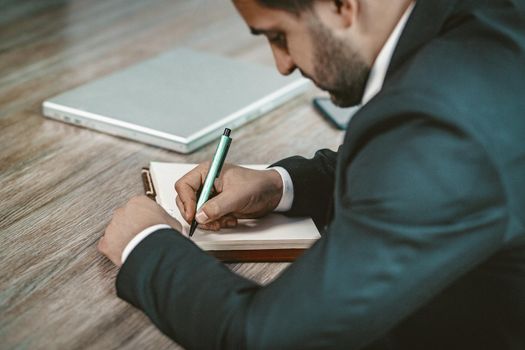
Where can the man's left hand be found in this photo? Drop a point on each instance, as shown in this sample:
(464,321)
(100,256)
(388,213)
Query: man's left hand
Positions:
(137,215)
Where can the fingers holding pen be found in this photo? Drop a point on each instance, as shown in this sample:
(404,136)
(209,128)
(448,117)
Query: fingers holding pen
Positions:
(186,214)
(187,188)
(228,221)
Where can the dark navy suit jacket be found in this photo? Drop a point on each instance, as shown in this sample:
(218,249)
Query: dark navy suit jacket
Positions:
(423,204)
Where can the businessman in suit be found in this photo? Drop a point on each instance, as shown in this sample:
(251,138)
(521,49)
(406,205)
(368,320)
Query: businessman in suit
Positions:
(423,205)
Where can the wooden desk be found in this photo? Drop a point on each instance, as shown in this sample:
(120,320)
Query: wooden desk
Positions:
(60,183)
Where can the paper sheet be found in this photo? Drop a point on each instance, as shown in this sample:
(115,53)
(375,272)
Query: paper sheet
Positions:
(274,231)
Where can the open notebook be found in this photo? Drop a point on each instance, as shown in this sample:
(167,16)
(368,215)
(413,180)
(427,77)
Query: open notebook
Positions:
(272,238)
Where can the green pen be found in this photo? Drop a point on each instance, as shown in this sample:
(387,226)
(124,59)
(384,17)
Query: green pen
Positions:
(213,173)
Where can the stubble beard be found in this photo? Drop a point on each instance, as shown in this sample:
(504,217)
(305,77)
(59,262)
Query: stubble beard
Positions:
(338,67)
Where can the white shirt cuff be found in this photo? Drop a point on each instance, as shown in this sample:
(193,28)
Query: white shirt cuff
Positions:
(286,201)
(138,238)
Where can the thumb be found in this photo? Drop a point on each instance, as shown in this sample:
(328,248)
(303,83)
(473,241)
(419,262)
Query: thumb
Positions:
(217,207)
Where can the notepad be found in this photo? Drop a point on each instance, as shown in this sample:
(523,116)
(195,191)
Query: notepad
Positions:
(274,237)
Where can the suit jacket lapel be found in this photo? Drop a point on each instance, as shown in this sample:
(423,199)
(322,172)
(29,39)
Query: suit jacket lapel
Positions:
(425,23)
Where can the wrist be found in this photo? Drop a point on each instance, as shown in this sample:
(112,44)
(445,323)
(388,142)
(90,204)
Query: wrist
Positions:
(139,238)
(276,188)
(285,187)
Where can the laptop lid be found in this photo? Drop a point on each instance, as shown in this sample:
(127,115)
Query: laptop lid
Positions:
(179,100)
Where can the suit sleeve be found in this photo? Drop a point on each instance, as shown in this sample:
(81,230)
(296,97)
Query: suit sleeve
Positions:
(313,184)
(419,206)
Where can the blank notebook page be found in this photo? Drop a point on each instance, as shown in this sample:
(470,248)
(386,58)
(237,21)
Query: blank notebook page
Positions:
(274,231)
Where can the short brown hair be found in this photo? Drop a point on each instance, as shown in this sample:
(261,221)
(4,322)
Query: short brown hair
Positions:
(294,6)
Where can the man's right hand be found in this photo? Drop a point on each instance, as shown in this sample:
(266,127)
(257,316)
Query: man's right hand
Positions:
(240,193)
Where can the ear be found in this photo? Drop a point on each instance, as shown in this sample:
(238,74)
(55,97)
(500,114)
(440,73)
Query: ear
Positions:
(346,11)
(337,14)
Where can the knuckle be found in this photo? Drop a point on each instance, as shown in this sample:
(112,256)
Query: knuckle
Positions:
(134,200)
(101,245)
(212,226)
(138,199)
(204,166)
(218,184)
(181,207)
(212,208)
(109,229)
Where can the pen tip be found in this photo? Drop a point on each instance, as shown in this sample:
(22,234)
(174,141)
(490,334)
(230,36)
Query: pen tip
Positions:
(192,228)
(227,132)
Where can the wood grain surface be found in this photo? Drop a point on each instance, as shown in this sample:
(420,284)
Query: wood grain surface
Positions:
(59,184)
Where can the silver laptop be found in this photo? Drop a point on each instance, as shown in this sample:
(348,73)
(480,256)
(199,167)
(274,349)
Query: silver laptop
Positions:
(179,100)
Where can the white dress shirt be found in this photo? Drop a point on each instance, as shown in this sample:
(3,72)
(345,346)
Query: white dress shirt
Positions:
(373,86)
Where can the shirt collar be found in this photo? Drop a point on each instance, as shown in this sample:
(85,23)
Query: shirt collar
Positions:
(380,66)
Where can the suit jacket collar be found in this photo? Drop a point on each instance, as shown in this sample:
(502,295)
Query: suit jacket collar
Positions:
(425,23)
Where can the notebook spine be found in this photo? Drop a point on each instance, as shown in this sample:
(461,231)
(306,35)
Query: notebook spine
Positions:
(149,190)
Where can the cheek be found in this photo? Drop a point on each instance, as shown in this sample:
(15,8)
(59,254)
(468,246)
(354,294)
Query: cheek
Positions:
(301,51)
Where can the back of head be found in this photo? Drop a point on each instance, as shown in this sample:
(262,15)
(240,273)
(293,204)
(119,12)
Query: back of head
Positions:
(293,6)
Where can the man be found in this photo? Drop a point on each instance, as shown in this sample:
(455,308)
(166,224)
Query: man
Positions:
(423,204)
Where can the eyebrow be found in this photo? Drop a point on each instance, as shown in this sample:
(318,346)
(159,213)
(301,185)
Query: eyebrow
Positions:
(256,31)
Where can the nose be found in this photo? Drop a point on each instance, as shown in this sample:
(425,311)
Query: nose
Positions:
(283,61)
